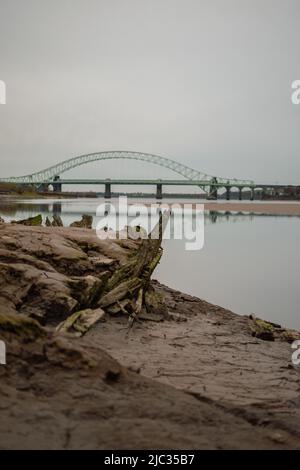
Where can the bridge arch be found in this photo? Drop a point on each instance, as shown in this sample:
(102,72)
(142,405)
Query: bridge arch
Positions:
(49,174)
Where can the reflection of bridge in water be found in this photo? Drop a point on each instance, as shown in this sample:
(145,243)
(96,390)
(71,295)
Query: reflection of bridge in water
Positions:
(70,210)
(213,217)
(210,185)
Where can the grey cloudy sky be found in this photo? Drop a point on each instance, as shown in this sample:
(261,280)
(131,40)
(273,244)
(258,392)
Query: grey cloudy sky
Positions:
(206,82)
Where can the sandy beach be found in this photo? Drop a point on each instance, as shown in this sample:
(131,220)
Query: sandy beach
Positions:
(255,207)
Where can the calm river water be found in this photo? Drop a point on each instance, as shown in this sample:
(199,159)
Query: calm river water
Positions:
(249,264)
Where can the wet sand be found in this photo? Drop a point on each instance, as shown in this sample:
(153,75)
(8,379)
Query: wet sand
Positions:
(276,208)
(209,352)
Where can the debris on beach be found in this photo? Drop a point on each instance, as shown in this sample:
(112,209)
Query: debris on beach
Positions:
(31,221)
(70,278)
(85,222)
(56,221)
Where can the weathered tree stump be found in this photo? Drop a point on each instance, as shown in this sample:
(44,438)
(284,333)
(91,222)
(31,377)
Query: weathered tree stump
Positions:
(68,277)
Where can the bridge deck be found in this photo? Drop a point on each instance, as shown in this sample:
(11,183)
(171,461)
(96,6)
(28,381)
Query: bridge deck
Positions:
(167,182)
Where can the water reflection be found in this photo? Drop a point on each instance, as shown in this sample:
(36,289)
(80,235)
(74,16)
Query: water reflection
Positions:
(71,210)
(11,208)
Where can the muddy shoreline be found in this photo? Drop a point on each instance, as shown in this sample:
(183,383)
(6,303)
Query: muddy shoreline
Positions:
(189,375)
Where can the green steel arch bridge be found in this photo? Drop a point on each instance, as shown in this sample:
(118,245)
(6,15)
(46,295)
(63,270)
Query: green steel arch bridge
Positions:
(208,183)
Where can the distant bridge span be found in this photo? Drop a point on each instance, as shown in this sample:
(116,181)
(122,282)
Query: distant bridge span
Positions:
(49,174)
(208,183)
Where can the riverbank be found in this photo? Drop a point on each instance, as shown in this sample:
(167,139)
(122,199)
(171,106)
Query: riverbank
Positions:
(188,374)
(256,207)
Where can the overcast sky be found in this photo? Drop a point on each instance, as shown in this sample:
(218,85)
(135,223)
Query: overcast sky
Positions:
(205,82)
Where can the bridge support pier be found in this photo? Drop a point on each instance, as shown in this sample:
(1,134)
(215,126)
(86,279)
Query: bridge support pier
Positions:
(107,194)
(43,188)
(228,189)
(240,194)
(213,189)
(56,186)
(213,193)
(252,194)
(159,191)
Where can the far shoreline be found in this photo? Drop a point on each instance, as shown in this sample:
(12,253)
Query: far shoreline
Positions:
(268,207)
(256,207)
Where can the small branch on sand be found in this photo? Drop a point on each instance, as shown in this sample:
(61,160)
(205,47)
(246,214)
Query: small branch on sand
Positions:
(137,310)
